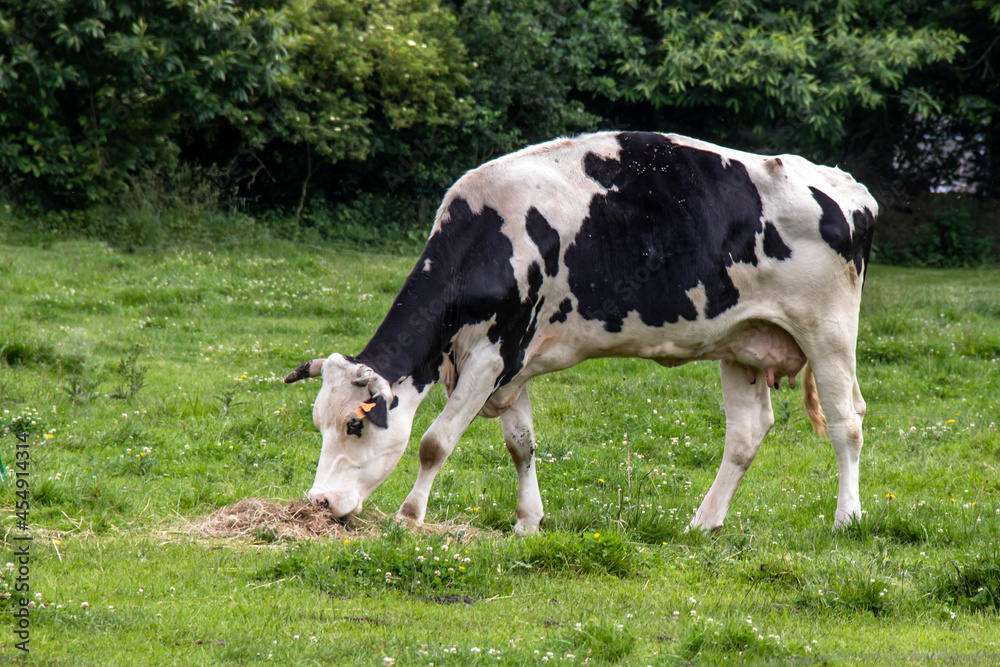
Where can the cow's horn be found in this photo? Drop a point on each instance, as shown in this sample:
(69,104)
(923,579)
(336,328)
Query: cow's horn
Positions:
(310,369)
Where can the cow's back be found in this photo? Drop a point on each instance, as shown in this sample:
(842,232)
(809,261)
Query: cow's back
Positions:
(628,224)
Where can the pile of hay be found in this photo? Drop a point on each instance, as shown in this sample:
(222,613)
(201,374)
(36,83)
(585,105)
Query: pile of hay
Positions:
(262,520)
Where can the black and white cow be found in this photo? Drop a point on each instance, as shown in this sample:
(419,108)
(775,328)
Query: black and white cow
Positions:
(612,244)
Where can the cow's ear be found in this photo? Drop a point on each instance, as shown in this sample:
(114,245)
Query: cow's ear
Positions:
(310,369)
(379,414)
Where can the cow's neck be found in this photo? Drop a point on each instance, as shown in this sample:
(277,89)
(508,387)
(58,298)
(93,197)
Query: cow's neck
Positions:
(413,340)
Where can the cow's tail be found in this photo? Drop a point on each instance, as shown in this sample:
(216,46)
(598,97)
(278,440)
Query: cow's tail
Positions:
(810,399)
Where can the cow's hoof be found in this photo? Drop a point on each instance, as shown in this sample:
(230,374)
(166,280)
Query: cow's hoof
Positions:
(409,515)
(843,520)
(526,528)
(703,528)
(407,521)
(410,512)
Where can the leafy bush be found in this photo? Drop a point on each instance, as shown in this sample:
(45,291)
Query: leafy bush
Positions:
(949,240)
(94,92)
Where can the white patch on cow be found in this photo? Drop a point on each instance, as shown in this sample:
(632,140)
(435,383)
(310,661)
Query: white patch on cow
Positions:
(746,278)
(787,202)
(427,265)
(468,338)
(699,298)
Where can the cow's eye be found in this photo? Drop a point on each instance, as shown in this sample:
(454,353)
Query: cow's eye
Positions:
(354,427)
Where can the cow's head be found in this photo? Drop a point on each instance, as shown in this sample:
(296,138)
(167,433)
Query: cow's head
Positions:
(364,435)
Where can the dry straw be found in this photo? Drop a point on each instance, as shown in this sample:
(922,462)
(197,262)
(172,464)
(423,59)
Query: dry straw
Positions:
(259,519)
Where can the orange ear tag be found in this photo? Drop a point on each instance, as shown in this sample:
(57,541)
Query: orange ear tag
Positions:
(364,409)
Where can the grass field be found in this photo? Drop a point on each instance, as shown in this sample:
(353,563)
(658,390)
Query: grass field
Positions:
(149,388)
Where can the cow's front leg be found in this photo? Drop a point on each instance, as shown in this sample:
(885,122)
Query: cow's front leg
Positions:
(748,419)
(474,386)
(519,436)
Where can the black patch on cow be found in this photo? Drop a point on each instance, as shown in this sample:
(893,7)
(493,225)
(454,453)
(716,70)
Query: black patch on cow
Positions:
(395,402)
(546,238)
(355,426)
(379,415)
(774,245)
(565,308)
(864,233)
(833,228)
(470,280)
(673,217)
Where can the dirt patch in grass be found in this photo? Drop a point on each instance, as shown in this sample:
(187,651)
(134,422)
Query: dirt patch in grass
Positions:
(261,520)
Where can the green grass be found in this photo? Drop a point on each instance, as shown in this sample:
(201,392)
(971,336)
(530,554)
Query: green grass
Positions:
(149,387)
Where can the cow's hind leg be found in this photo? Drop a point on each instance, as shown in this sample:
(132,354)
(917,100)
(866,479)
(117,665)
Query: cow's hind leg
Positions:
(748,419)
(471,391)
(841,400)
(519,436)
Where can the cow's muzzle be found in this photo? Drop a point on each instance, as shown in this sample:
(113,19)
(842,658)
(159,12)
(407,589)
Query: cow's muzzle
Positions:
(340,503)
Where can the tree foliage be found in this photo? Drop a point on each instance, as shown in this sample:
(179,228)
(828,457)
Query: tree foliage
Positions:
(400,96)
(361,69)
(808,65)
(536,63)
(92,91)
(958,143)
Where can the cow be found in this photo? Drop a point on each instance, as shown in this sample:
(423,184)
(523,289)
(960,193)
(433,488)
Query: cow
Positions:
(614,244)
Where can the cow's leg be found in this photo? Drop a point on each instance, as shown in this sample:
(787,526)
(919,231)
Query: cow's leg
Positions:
(474,386)
(841,400)
(519,436)
(748,419)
